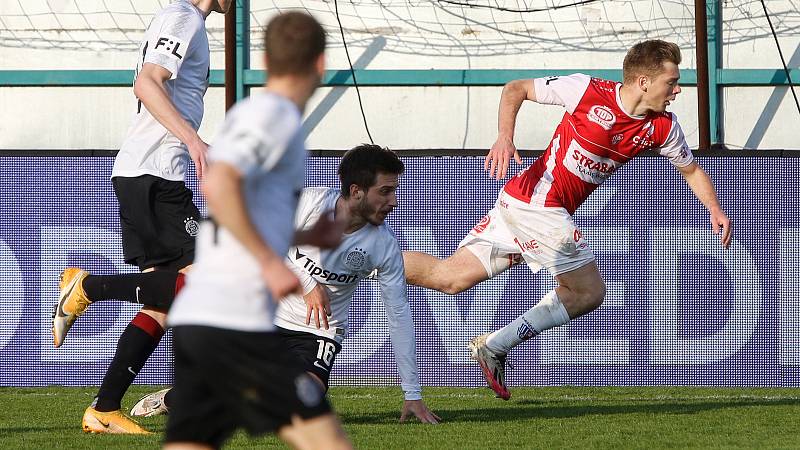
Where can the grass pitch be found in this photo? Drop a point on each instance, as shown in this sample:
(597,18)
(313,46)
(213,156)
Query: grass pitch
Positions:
(563,417)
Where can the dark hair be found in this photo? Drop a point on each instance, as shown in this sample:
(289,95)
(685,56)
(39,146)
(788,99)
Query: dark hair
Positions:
(648,58)
(361,166)
(293,42)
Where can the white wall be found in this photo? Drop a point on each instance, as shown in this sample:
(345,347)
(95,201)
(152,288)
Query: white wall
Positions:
(392,34)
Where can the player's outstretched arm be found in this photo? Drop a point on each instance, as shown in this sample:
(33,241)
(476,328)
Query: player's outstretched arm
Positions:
(149,88)
(703,189)
(223,191)
(419,409)
(499,157)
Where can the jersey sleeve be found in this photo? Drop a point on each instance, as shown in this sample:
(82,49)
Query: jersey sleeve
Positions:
(307,204)
(308,282)
(566,91)
(391,277)
(249,144)
(168,46)
(675,147)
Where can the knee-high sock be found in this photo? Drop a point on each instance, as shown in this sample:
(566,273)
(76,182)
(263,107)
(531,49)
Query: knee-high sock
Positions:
(548,313)
(157,288)
(136,344)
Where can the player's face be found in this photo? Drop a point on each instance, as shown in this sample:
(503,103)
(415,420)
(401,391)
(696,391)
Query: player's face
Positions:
(223,6)
(380,199)
(663,88)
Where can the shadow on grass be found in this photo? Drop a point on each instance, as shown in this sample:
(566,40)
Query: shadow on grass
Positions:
(530,409)
(71,429)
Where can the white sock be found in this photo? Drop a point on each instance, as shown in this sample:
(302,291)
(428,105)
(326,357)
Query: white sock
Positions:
(548,313)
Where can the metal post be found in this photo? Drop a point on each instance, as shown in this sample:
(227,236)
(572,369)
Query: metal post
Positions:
(701,37)
(714,64)
(242,46)
(230,58)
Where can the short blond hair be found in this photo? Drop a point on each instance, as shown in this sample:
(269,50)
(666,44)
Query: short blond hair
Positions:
(648,58)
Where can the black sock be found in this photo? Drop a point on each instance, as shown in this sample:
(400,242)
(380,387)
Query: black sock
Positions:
(168,399)
(136,344)
(156,288)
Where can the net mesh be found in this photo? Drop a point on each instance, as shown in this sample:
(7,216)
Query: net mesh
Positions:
(414,27)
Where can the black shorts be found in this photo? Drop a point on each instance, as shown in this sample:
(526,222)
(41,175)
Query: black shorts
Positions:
(316,353)
(159,221)
(228,379)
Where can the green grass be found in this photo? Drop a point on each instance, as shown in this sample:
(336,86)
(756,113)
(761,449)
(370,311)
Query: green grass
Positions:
(564,417)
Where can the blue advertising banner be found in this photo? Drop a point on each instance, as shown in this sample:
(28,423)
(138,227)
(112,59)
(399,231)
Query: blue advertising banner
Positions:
(680,309)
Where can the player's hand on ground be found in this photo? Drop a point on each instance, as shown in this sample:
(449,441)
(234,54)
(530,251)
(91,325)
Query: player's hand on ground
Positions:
(318,306)
(326,233)
(499,158)
(281,281)
(721,225)
(420,410)
(198,152)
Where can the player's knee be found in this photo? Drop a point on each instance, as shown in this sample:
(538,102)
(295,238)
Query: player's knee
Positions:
(594,297)
(453,286)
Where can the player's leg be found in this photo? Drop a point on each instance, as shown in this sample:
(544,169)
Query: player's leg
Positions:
(163,213)
(322,432)
(578,292)
(79,289)
(548,238)
(452,275)
(485,252)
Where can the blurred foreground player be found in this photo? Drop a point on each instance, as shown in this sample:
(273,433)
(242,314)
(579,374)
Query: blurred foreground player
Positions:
(232,368)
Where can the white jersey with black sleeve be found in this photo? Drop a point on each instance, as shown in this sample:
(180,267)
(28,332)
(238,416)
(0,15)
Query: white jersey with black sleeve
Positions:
(338,272)
(175,40)
(261,138)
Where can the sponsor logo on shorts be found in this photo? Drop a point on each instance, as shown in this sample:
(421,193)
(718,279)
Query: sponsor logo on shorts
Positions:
(529,246)
(191,226)
(481,226)
(602,115)
(577,235)
(356,258)
(308,391)
(526,330)
(317,364)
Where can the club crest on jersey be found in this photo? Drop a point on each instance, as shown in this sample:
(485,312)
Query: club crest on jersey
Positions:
(191,226)
(526,330)
(602,115)
(616,139)
(356,259)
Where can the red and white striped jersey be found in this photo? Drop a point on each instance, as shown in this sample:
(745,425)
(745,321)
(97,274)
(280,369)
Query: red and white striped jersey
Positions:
(594,139)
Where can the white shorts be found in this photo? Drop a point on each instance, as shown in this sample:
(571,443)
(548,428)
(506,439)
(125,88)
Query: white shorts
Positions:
(544,237)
